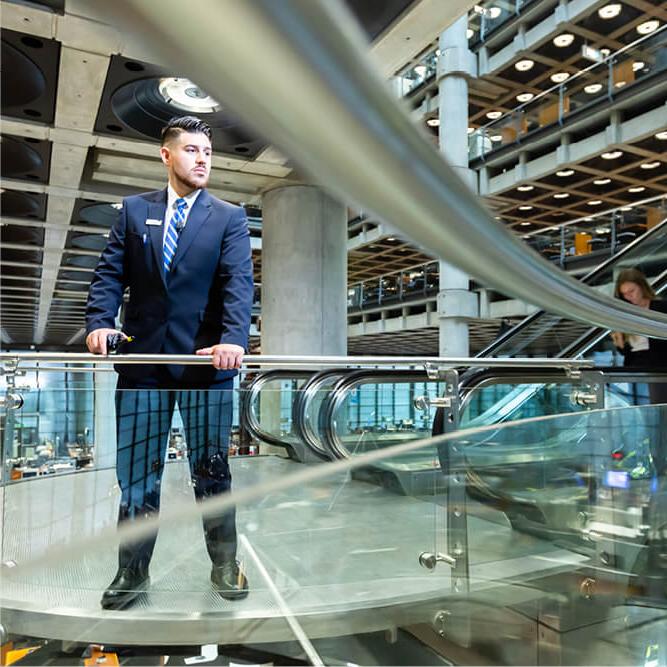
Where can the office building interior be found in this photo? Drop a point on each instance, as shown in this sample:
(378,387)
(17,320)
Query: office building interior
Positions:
(439,455)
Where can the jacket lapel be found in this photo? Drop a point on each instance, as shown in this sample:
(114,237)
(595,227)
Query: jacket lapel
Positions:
(198,216)
(156,211)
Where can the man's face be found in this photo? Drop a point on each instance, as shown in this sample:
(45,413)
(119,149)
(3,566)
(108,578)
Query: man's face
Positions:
(188,161)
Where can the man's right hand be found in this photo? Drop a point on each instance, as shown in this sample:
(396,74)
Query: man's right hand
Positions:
(97,340)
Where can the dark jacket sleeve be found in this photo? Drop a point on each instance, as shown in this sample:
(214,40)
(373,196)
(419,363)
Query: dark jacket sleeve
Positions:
(109,280)
(658,346)
(236,278)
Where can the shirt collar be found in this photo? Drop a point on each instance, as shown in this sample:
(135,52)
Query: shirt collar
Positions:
(172,196)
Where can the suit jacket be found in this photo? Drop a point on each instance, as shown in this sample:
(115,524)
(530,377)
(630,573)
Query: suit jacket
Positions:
(206,299)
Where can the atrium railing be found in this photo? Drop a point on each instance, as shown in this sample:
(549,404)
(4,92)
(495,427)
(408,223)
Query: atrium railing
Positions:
(646,56)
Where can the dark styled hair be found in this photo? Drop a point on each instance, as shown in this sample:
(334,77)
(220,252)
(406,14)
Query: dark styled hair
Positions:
(638,278)
(180,124)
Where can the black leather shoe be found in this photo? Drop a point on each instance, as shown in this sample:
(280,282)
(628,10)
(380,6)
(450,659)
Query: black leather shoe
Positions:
(229,581)
(128,584)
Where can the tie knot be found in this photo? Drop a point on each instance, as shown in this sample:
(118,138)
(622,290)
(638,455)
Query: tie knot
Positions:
(181,204)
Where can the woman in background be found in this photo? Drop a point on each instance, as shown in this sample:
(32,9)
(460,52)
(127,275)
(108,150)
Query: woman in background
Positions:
(642,352)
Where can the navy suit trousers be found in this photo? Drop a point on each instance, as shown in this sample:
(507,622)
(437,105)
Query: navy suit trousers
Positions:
(143,420)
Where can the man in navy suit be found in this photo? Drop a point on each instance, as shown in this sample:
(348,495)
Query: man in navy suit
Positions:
(186,259)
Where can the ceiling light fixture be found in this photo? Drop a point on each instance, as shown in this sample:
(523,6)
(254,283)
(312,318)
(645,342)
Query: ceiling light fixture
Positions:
(561,195)
(561,41)
(637,188)
(496,137)
(524,65)
(118,206)
(564,173)
(625,208)
(602,181)
(648,27)
(187,96)
(494,12)
(650,165)
(492,115)
(605,52)
(471,130)
(610,11)
(602,230)
(525,224)
(525,188)
(526,207)
(611,155)
(524,97)
(433,122)
(559,77)
(661,135)
(637,65)
(469,33)
(594,202)
(593,88)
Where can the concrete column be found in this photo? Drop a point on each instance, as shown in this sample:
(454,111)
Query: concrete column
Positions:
(304,272)
(456,64)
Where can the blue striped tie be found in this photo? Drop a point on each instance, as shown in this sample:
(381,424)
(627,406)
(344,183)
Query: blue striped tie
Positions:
(171,239)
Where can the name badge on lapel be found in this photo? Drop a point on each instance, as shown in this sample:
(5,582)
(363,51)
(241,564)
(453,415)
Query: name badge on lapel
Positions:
(153,221)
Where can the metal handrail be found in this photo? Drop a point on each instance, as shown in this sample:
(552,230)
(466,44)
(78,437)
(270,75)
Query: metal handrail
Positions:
(309,361)
(371,152)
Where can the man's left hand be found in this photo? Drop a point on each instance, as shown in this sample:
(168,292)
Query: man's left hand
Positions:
(225,355)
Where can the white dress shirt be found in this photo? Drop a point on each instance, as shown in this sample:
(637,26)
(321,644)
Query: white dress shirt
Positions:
(172,196)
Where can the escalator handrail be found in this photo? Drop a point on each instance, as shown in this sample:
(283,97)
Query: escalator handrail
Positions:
(249,396)
(647,237)
(339,394)
(302,424)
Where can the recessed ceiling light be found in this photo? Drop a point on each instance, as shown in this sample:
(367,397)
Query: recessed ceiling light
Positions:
(620,84)
(496,137)
(637,188)
(594,202)
(525,188)
(524,97)
(610,11)
(563,173)
(588,219)
(602,181)
(559,77)
(187,96)
(561,195)
(493,12)
(605,52)
(526,207)
(524,65)
(593,88)
(420,70)
(564,40)
(525,224)
(648,27)
(469,33)
(492,115)
(611,155)
(625,208)
(526,236)
(650,165)
(637,65)
(433,122)
(602,230)
(661,135)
